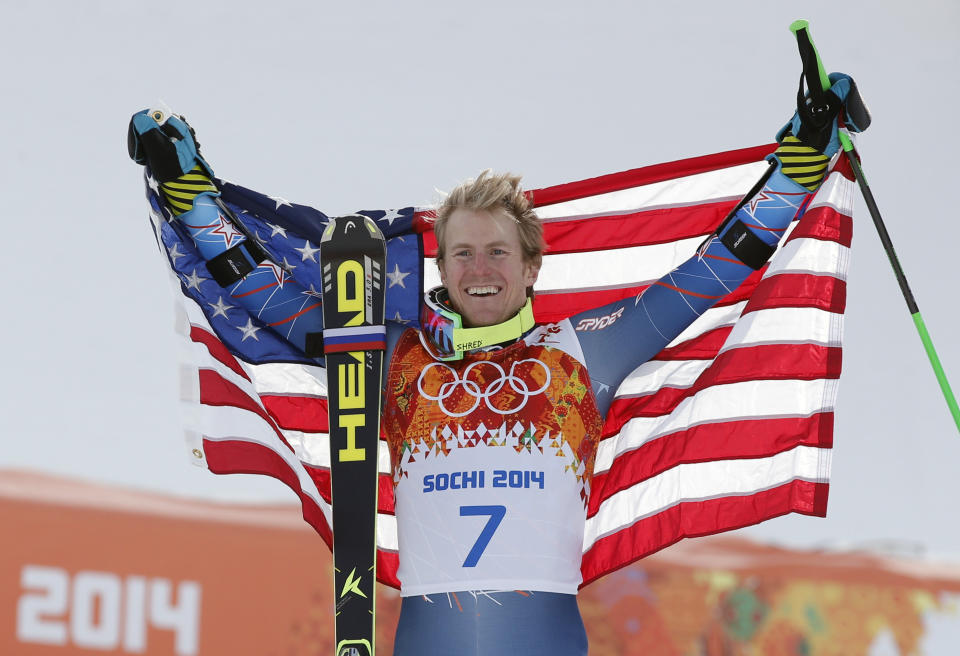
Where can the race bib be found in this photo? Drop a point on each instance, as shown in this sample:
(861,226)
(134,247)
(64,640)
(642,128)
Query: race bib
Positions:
(490,518)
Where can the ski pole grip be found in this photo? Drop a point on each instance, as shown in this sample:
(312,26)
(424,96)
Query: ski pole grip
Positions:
(812,66)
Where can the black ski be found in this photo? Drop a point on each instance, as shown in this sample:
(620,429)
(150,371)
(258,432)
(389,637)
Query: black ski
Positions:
(353,256)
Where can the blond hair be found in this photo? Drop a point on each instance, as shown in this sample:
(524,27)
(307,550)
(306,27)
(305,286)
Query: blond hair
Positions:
(489,192)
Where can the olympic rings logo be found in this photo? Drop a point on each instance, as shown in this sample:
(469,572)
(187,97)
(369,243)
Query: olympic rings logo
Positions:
(472,388)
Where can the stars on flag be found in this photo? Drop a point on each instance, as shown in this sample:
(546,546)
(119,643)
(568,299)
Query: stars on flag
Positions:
(308,252)
(249,330)
(194,279)
(396,277)
(390,216)
(289,253)
(175,253)
(153,184)
(155,218)
(280,201)
(277,230)
(220,308)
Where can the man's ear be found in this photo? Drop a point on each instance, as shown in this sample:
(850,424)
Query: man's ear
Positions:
(530,273)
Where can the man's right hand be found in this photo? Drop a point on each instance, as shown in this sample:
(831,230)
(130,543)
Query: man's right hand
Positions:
(165,142)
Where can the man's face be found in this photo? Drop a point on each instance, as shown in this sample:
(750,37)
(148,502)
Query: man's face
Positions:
(483,269)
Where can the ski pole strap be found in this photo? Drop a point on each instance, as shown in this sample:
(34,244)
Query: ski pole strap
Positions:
(355,338)
(234,263)
(746,246)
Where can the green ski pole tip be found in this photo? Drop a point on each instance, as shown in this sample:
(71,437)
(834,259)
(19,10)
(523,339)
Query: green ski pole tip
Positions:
(845,142)
(795,27)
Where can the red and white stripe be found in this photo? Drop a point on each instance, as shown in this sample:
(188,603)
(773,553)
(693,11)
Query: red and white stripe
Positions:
(729,425)
(732,423)
(269,419)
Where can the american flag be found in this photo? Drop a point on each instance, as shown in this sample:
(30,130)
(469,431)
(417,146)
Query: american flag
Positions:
(730,425)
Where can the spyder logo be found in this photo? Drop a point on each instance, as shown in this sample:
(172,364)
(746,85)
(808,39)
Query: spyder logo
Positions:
(598,323)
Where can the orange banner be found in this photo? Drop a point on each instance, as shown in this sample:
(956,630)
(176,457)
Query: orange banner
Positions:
(89,568)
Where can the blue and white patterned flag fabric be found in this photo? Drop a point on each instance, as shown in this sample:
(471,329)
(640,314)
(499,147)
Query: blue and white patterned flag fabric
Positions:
(290,234)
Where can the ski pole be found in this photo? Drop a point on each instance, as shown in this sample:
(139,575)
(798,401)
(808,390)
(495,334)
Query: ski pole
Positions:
(809,54)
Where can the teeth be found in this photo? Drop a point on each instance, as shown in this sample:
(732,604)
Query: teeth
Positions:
(482,291)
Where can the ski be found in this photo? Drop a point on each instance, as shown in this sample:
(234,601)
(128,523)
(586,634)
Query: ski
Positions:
(352,257)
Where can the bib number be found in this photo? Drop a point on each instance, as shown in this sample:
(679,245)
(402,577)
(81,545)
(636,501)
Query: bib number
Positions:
(495,513)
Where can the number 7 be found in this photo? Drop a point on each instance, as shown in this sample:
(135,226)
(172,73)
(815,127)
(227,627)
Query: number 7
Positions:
(496,514)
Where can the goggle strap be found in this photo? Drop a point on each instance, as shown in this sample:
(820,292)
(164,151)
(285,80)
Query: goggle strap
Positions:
(467,339)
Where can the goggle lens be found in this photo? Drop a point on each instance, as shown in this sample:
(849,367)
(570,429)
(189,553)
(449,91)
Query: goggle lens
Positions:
(438,325)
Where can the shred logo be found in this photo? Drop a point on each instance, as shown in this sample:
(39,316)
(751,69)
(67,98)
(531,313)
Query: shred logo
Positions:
(468,346)
(598,323)
(350,375)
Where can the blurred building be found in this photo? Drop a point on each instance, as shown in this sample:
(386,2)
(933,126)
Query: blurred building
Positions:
(94,569)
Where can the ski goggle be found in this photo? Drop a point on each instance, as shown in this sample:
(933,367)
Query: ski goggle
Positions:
(445,338)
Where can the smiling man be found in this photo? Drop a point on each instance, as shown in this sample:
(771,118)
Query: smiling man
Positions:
(489,245)
(493,420)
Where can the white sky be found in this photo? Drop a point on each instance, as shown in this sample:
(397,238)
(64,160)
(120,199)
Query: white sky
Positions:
(376,104)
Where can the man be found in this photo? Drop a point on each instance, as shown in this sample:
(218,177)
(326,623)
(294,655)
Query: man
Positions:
(491,526)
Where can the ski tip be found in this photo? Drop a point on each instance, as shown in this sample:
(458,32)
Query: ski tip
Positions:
(328,231)
(372,227)
(345,224)
(799,24)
